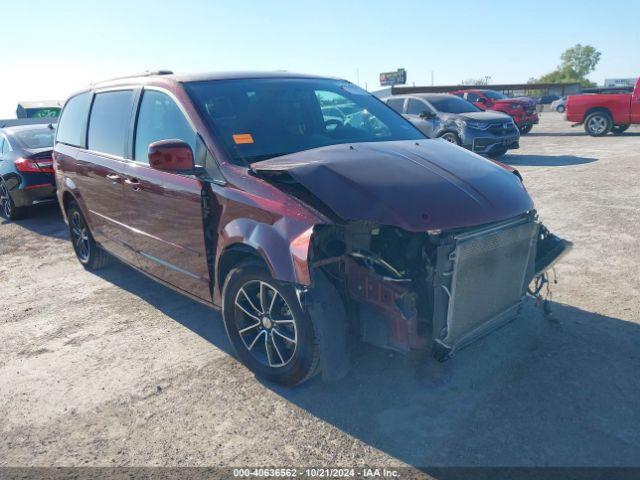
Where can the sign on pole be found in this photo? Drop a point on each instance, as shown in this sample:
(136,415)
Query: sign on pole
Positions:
(399,77)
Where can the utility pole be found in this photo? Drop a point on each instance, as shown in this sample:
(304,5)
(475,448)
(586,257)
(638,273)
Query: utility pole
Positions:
(432,78)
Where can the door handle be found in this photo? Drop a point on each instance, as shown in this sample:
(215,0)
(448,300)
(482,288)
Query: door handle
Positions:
(134,182)
(114,178)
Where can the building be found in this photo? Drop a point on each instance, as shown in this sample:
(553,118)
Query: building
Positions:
(620,82)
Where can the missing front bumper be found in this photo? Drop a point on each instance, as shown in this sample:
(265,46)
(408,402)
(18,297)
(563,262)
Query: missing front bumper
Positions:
(482,277)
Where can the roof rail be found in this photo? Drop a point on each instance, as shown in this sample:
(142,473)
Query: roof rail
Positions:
(146,73)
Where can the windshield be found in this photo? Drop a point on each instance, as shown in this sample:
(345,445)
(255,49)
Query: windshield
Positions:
(493,95)
(263,118)
(452,104)
(37,138)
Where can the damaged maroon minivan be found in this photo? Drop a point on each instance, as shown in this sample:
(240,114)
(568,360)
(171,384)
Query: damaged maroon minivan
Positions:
(306,209)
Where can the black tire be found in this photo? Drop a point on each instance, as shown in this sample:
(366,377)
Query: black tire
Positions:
(619,129)
(262,347)
(8,208)
(524,129)
(451,137)
(89,254)
(560,108)
(598,124)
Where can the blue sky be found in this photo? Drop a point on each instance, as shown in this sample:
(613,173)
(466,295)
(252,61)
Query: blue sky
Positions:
(53,47)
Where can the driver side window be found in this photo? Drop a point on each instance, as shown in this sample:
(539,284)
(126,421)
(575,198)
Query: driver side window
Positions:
(339,111)
(159,118)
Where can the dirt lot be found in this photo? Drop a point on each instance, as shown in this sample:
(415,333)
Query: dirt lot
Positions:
(113,369)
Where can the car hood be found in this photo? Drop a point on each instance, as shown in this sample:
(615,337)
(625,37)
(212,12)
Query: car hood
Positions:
(488,116)
(416,186)
(521,100)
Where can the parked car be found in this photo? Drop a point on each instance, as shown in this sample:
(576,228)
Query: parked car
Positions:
(235,190)
(604,113)
(439,115)
(521,109)
(559,105)
(26,175)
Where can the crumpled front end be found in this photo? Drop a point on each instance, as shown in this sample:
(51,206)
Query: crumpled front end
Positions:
(407,290)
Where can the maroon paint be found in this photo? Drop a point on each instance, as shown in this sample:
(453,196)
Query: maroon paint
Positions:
(170,155)
(140,213)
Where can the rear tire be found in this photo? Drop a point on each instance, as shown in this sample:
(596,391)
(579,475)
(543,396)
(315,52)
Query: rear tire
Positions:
(598,124)
(7,206)
(89,254)
(619,129)
(560,109)
(271,334)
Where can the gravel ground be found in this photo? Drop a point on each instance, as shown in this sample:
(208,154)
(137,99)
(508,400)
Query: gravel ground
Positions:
(112,369)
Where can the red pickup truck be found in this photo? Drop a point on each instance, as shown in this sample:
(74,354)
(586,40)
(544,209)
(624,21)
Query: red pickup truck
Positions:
(604,113)
(521,109)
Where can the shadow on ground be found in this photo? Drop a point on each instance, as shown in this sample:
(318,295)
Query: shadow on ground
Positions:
(546,160)
(44,220)
(559,391)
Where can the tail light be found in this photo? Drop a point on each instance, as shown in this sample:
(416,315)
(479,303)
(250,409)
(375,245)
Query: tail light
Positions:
(29,165)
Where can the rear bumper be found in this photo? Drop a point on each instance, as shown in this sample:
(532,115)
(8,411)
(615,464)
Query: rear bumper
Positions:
(34,195)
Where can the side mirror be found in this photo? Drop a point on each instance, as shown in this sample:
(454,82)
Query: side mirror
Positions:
(427,114)
(171,156)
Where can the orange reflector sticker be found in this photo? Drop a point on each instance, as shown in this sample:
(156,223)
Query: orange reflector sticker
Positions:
(240,138)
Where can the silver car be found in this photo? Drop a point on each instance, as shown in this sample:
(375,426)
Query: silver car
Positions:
(458,121)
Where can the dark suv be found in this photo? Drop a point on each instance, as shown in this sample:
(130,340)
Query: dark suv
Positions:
(439,115)
(247,193)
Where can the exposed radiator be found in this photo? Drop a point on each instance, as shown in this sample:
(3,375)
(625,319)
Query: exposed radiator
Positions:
(483,279)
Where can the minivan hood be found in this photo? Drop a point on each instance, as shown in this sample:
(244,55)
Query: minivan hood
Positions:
(414,185)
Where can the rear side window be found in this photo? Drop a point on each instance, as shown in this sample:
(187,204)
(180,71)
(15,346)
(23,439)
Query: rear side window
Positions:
(109,122)
(160,118)
(73,123)
(396,104)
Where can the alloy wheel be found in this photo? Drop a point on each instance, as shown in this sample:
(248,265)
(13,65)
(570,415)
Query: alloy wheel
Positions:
(80,236)
(5,200)
(265,323)
(597,124)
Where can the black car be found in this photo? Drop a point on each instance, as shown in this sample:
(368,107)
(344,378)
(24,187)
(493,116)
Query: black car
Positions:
(458,121)
(26,172)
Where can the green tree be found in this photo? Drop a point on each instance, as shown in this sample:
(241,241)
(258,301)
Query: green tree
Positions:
(576,63)
(582,59)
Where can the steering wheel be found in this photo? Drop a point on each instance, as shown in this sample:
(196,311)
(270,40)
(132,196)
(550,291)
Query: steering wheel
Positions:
(333,121)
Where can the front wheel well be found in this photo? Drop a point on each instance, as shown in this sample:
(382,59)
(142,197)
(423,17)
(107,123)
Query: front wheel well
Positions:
(235,255)
(67,199)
